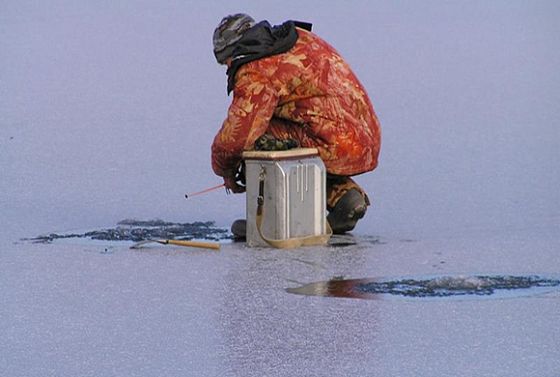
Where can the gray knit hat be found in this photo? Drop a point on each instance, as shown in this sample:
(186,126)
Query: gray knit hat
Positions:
(229,31)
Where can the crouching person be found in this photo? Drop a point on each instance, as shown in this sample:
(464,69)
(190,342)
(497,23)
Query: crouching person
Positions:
(289,84)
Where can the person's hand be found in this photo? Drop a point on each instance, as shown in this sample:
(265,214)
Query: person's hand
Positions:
(233,186)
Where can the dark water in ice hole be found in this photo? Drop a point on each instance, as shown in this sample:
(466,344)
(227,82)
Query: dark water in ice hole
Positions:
(139,230)
(433,287)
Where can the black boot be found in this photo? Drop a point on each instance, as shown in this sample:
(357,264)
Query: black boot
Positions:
(346,213)
(239,229)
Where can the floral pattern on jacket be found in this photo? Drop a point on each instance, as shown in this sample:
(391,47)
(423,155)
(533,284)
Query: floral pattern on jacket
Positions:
(309,94)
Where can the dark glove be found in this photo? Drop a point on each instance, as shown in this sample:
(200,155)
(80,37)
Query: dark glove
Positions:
(240,176)
(236,183)
(232,185)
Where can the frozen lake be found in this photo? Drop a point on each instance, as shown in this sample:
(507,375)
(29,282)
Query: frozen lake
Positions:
(108,110)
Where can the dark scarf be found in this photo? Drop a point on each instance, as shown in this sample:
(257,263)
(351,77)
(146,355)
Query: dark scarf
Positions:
(260,41)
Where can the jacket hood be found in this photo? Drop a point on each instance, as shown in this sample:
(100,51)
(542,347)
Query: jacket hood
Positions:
(260,41)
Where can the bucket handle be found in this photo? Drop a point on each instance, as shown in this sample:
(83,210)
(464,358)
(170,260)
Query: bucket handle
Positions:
(290,243)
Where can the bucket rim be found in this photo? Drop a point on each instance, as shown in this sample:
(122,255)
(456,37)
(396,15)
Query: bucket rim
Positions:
(280,155)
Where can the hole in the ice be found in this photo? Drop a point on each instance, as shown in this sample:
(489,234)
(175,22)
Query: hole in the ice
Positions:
(438,287)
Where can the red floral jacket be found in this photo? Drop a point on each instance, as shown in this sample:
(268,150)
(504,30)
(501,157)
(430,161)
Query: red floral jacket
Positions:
(309,94)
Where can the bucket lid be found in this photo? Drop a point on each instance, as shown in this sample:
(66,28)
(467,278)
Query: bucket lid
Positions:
(281,155)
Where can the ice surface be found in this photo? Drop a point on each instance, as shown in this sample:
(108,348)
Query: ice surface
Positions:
(108,109)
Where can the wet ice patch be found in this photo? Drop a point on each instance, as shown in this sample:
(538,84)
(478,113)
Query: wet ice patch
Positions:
(139,230)
(478,286)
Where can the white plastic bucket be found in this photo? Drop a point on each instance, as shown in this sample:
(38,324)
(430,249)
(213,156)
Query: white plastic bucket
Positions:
(293,188)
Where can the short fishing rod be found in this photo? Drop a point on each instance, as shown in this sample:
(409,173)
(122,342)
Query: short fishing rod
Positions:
(206,190)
